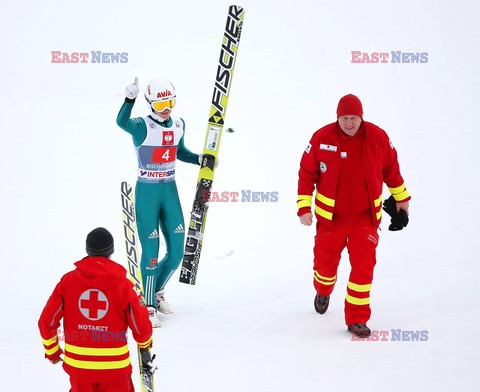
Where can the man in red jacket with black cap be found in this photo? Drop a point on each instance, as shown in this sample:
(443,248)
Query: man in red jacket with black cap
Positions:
(347,162)
(97,303)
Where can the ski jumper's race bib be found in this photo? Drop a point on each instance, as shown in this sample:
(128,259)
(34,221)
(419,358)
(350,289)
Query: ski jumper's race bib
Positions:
(157,154)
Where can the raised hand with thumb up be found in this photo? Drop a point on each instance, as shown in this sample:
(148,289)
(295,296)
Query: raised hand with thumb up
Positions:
(131,91)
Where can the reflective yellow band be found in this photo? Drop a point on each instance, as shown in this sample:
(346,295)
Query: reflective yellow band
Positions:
(361,288)
(305,197)
(357,301)
(96,365)
(49,342)
(304,203)
(325,200)
(323,282)
(324,277)
(96,351)
(52,350)
(378,201)
(323,213)
(379,214)
(398,189)
(145,344)
(401,196)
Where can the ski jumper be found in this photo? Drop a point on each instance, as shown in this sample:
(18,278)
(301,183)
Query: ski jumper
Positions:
(348,174)
(157,145)
(97,304)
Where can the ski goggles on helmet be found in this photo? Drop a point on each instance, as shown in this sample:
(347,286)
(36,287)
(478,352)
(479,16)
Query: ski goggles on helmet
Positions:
(160,106)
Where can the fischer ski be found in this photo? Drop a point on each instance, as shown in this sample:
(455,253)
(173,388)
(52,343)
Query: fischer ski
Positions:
(223,81)
(134,271)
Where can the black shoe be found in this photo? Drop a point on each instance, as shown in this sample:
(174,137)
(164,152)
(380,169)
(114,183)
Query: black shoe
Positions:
(321,303)
(359,330)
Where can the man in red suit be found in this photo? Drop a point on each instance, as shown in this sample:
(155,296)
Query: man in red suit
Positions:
(97,304)
(347,162)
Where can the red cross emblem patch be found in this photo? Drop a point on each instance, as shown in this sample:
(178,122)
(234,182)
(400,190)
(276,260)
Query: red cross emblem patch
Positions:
(93,304)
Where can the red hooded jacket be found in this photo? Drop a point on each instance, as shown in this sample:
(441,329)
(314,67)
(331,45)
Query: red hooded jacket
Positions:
(97,303)
(320,170)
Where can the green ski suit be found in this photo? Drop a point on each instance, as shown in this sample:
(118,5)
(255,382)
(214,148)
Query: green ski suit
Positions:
(158,144)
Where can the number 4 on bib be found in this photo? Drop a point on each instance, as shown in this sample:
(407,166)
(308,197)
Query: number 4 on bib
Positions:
(164,154)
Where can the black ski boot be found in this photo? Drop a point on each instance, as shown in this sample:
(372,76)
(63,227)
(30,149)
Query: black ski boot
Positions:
(359,330)
(321,303)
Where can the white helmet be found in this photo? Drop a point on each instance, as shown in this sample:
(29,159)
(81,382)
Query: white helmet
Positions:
(160,94)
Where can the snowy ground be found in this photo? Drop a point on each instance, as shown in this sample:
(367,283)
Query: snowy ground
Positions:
(249,324)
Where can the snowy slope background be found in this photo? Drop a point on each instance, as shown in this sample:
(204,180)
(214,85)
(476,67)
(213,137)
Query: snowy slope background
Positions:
(249,323)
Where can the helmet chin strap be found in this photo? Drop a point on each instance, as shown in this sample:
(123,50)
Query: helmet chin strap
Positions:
(158,118)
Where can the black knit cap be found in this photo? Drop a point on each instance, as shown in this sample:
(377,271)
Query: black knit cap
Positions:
(99,242)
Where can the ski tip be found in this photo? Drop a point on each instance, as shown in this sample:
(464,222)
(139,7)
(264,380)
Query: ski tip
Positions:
(237,9)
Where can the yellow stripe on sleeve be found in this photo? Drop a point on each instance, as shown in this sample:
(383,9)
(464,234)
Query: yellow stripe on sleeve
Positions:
(304,201)
(398,189)
(52,350)
(49,342)
(401,196)
(145,344)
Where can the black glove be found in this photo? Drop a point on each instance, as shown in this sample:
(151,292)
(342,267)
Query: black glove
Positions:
(399,220)
(147,361)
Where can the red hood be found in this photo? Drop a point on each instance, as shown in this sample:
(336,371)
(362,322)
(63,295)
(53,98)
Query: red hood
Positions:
(100,272)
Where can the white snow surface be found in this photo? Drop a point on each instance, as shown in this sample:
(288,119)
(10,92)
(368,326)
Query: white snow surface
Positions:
(249,323)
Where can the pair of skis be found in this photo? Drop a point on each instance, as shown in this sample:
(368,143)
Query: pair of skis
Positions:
(196,230)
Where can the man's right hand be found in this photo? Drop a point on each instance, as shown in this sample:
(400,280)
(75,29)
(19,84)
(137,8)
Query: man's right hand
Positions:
(131,91)
(306,219)
(57,358)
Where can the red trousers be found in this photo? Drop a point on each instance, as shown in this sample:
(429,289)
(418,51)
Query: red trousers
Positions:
(361,240)
(123,384)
